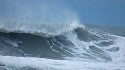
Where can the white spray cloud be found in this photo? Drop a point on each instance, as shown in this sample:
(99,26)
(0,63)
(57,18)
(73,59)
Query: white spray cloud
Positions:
(37,16)
(36,11)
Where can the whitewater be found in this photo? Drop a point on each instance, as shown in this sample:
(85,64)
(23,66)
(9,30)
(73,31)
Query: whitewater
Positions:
(47,35)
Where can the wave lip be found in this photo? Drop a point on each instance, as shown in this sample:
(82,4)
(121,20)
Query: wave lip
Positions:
(39,29)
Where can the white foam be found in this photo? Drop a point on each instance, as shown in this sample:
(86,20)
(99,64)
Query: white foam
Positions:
(49,64)
(119,55)
(83,47)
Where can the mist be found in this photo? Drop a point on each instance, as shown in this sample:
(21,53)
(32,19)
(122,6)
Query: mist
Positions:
(36,12)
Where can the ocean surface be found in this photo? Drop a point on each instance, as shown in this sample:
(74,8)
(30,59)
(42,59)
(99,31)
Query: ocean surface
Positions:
(61,47)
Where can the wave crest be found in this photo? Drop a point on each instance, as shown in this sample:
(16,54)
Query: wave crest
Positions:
(39,29)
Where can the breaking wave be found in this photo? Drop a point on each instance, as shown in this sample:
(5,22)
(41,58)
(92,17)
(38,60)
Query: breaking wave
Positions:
(40,35)
(39,29)
(80,44)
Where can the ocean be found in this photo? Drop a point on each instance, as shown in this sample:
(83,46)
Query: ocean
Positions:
(51,35)
(72,47)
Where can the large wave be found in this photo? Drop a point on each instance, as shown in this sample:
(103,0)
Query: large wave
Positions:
(39,35)
(79,43)
(76,49)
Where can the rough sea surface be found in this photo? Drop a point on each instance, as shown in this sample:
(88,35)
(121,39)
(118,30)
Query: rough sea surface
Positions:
(79,48)
(47,35)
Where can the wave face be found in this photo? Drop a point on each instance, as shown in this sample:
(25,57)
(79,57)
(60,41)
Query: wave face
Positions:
(74,49)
